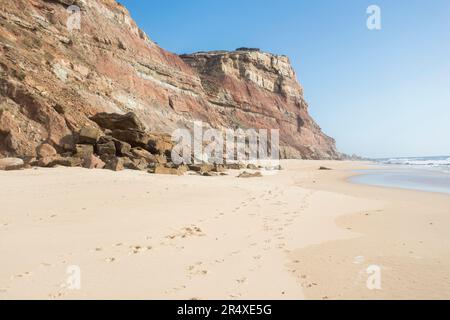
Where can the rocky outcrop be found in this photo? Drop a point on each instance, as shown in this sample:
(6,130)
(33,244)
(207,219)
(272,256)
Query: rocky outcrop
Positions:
(55,80)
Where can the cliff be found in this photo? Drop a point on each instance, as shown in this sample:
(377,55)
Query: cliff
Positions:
(53,79)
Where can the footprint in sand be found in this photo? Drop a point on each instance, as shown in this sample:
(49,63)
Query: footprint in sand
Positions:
(139,249)
(56,295)
(192,231)
(110,260)
(242,280)
(197,270)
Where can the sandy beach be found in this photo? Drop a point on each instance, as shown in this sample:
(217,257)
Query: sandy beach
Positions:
(302,233)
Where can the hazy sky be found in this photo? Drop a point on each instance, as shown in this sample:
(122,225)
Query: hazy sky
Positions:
(378,93)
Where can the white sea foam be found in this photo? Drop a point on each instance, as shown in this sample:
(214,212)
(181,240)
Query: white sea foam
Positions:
(431,161)
(439,163)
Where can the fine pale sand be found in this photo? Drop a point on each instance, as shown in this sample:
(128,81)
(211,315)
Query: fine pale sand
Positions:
(301,233)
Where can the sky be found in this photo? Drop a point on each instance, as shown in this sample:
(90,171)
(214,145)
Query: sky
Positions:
(379,93)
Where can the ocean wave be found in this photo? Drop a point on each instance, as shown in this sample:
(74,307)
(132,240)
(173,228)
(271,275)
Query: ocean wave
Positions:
(442,163)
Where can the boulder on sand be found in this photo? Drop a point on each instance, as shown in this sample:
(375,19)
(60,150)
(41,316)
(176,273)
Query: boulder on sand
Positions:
(93,162)
(164,169)
(11,164)
(246,174)
(202,168)
(114,164)
(61,161)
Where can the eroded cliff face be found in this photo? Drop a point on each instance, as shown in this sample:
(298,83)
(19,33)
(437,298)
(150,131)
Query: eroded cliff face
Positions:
(250,88)
(53,79)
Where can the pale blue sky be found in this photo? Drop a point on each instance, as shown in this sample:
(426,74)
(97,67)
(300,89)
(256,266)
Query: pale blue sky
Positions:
(378,93)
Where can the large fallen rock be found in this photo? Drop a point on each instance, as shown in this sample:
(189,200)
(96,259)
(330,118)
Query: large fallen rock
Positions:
(11,164)
(89,135)
(115,121)
(136,138)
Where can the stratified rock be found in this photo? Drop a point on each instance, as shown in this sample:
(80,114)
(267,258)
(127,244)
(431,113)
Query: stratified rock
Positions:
(115,121)
(9,164)
(93,162)
(89,135)
(115,164)
(45,150)
(254,89)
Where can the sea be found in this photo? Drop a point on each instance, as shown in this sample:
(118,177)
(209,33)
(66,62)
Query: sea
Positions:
(430,174)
